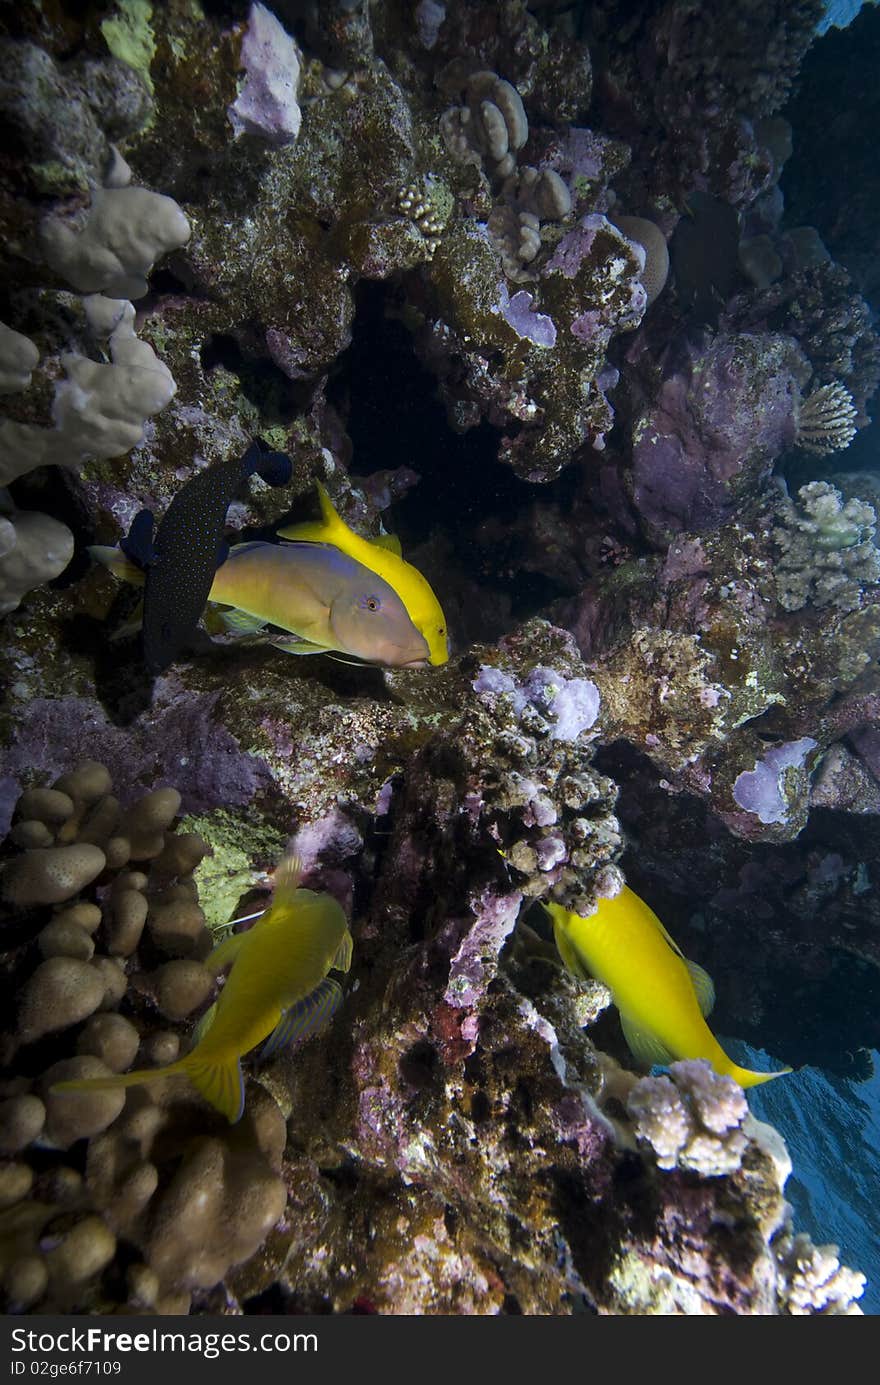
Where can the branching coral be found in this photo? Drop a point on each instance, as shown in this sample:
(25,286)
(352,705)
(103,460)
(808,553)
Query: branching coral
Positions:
(826,550)
(18,358)
(692,1119)
(490,127)
(100,409)
(128,229)
(832,324)
(812,1279)
(422,205)
(825,420)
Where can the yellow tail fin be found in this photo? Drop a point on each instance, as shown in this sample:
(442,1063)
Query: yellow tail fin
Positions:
(746,1078)
(220,1083)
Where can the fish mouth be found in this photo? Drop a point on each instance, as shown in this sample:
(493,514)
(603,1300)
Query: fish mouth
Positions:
(414,663)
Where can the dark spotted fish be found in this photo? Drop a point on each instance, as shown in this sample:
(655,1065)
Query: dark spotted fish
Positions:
(180,562)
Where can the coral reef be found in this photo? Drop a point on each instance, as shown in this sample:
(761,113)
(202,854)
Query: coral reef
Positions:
(826,551)
(609,434)
(118,975)
(824,420)
(692,1119)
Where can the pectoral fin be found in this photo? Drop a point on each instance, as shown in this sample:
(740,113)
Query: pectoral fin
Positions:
(342,960)
(292,644)
(644,1046)
(307,1017)
(567,950)
(240,622)
(703,987)
(225,953)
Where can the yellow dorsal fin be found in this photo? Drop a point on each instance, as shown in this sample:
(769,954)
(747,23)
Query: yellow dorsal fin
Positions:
(225,953)
(328,509)
(288,874)
(390,542)
(342,960)
(330,528)
(671,941)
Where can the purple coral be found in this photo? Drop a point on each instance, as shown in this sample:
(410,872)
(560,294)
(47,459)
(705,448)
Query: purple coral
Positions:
(266,105)
(571,705)
(761,790)
(714,431)
(180,740)
(518,313)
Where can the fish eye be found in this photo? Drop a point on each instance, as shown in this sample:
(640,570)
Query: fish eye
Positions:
(370,603)
(442,630)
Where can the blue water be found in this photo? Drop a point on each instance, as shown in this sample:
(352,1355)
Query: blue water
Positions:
(831,1126)
(839,13)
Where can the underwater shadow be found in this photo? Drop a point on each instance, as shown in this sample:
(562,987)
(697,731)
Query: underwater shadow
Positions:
(123,686)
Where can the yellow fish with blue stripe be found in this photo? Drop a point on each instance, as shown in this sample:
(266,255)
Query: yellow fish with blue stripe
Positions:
(330,589)
(662,998)
(277,989)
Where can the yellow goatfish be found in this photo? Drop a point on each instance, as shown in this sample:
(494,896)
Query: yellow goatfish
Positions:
(662,998)
(330,589)
(278,986)
(383,558)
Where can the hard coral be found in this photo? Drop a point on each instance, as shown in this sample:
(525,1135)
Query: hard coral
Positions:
(832,324)
(692,1119)
(225,1193)
(813,1279)
(826,550)
(825,420)
(36,549)
(711,437)
(683,83)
